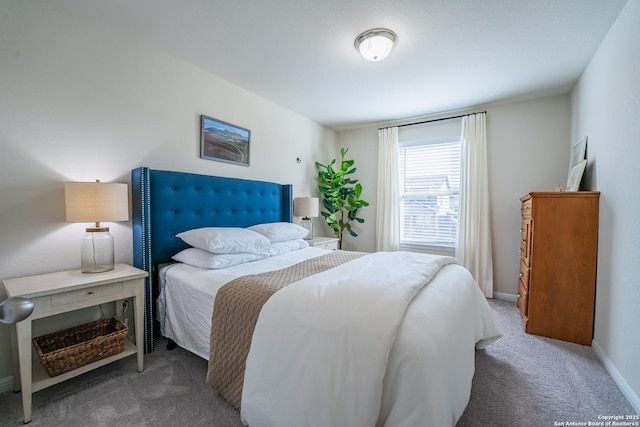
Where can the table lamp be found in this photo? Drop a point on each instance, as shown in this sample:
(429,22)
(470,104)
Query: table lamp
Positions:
(96,202)
(307,208)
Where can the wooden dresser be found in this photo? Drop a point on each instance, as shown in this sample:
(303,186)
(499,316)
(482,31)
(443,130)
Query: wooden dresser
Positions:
(558,256)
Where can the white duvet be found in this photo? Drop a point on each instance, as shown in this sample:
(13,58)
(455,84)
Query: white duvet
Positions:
(386,340)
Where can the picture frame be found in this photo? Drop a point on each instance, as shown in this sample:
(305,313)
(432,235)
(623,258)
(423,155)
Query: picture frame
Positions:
(578,151)
(224,142)
(575,176)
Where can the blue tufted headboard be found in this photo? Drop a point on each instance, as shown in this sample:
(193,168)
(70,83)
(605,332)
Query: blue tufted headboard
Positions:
(166,203)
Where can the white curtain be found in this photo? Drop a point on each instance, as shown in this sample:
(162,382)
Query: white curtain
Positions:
(388,209)
(473,249)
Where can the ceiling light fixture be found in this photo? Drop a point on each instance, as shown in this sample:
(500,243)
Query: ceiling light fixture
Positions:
(375,45)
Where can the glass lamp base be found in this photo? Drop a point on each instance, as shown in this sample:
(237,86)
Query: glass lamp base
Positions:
(308,225)
(98,269)
(96,250)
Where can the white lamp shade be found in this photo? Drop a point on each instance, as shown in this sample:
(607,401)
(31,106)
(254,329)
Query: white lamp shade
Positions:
(96,201)
(306,207)
(375,45)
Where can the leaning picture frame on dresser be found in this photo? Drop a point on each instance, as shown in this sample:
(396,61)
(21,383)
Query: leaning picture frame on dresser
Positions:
(578,151)
(575,176)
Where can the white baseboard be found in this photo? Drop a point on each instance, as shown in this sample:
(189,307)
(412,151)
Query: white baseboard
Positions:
(505,297)
(6,384)
(622,384)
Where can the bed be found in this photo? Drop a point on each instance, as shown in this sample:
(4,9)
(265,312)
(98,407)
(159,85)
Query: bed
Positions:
(385,339)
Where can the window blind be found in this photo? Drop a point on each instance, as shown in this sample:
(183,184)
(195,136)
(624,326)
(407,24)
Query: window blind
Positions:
(430,192)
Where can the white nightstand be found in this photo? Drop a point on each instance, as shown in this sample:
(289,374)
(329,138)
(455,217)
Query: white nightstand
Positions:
(324,242)
(62,292)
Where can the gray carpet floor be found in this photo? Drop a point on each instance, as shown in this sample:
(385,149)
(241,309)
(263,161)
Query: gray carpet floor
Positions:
(521,380)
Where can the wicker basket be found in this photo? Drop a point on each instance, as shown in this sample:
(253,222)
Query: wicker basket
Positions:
(71,348)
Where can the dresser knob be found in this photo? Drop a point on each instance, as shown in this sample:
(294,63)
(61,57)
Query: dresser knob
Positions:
(90,293)
(520,274)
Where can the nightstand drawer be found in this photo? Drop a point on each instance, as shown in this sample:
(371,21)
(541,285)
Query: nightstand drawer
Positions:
(85,294)
(328,245)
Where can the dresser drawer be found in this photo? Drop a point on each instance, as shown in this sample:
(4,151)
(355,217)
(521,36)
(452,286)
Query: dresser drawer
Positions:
(524,229)
(85,294)
(525,241)
(524,275)
(526,209)
(523,301)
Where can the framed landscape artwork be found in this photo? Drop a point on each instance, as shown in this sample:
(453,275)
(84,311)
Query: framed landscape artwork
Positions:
(224,142)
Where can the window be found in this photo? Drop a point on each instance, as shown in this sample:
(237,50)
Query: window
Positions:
(429,192)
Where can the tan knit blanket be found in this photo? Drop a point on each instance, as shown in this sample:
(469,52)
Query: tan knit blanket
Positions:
(235,313)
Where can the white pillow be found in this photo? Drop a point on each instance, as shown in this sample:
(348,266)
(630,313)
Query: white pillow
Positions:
(279,248)
(225,240)
(203,259)
(280,231)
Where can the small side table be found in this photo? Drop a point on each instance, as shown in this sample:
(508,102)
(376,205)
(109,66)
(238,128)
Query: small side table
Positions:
(324,242)
(63,292)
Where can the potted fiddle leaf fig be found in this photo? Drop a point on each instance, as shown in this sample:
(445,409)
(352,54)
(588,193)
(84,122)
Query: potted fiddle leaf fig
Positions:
(340,195)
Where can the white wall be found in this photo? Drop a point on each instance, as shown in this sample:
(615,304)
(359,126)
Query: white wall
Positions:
(365,153)
(80,103)
(606,108)
(527,151)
